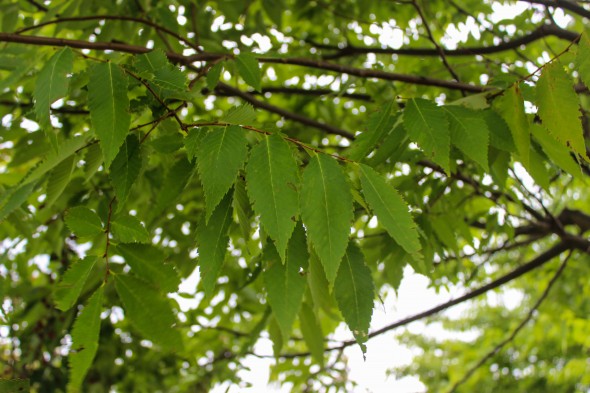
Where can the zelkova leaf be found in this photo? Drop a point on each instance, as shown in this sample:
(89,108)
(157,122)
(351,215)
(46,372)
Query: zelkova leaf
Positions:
(52,84)
(243,114)
(220,156)
(379,124)
(390,208)
(69,288)
(428,126)
(272,181)
(510,107)
(249,70)
(58,180)
(176,180)
(284,284)
(128,229)
(154,66)
(66,149)
(149,313)
(193,140)
(469,133)
(83,221)
(558,153)
(85,334)
(109,107)
(354,291)
(312,332)
(213,75)
(212,240)
(559,107)
(125,168)
(583,58)
(147,262)
(327,211)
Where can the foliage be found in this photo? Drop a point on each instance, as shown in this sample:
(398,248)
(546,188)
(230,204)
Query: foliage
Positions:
(298,157)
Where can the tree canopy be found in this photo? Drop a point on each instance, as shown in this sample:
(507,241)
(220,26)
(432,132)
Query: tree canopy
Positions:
(179,179)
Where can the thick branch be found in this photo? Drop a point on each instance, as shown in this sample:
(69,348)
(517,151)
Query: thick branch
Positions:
(535,35)
(224,88)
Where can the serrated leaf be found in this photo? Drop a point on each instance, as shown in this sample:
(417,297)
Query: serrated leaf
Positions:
(109,108)
(469,133)
(284,284)
(390,208)
(52,84)
(58,180)
(272,181)
(155,67)
(193,140)
(242,207)
(85,334)
(213,75)
(500,136)
(66,148)
(93,161)
(83,221)
(69,288)
(510,107)
(212,240)
(125,168)
(354,291)
(428,126)
(149,312)
(583,58)
(312,333)
(558,153)
(174,183)
(243,114)
(220,156)
(538,170)
(327,211)
(14,198)
(559,108)
(379,125)
(128,229)
(249,70)
(147,262)
(392,145)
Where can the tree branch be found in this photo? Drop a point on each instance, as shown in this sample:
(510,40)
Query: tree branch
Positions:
(512,335)
(563,4)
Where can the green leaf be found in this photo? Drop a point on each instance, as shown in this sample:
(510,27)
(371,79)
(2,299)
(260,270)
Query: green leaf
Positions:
(392,145)
(14,198)
(66,149)
(583,58)
(69,288)
(558,153)
(390,208)
(212,240)
(147,262)
(128,229)
(428,126)
(155,67)
(175,182)
(220,156)
(83,222)
(249,70)
(511,107)
(125,168)
(52,84)
(284,284)
(500,136)
(559,108)
(109,107)
(354,291)
(149,313)
(469,133)
(326,209)
(193,140)
(242,207)
(213,75)
(58,180)
(272,181)
(379,125)
(312,333)
(85,334)
(243,114)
